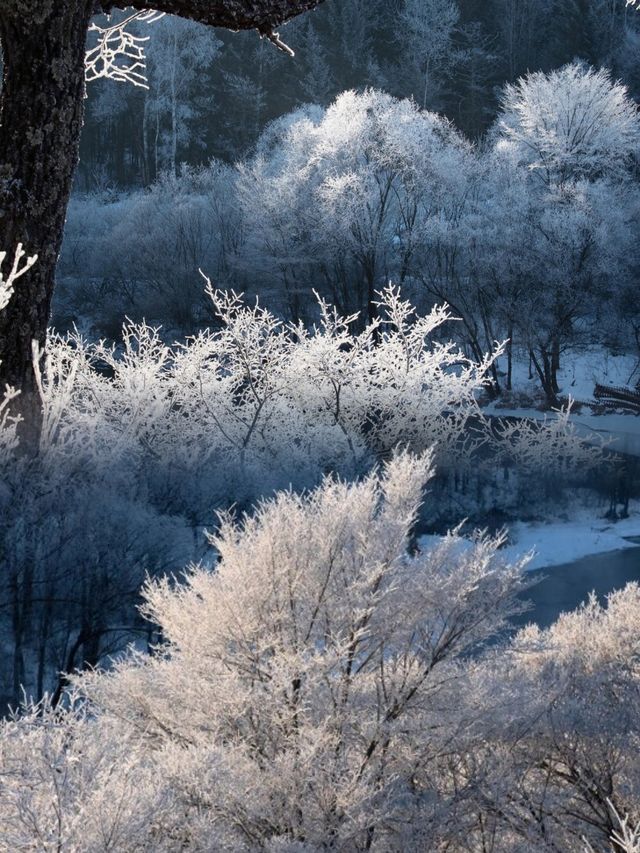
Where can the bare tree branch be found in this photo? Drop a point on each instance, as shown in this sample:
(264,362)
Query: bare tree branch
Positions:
(118,54)
(261,15)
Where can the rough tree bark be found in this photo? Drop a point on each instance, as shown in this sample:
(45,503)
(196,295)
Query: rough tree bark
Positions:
(43,47)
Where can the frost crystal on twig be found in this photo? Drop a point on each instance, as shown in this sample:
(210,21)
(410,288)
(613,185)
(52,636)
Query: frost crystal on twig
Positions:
(17,269)
(119,55)
(8,422)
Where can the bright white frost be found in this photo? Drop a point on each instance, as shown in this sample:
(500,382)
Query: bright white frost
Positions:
(370,190)
(297,696)
(349,191)
(571,123)
(119,54)
(8,278)
(258,403)
(262,403)
(21,263)
(140,443)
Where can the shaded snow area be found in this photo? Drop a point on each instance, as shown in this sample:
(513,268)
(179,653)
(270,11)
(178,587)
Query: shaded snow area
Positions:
(579,373)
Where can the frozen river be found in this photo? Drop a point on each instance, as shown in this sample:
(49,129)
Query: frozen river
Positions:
(563,588)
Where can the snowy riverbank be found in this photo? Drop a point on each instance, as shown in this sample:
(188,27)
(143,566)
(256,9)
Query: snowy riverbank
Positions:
(558,543)
(581,370)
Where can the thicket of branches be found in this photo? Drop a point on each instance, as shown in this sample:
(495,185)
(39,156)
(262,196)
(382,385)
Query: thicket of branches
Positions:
(324,688)
(532,237)
(142,442)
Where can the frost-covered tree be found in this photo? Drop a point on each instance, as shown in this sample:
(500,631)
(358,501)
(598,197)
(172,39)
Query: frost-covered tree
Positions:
(324,684)
(521,25)
(537,295)
(563,149)
(304,694)
(179,54)
(426,30)
(565,711)
(353,27)
(43,45)
(376,168)
(572,123)
(319,80)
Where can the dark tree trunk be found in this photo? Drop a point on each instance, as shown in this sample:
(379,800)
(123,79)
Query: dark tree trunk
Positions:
(510,359)
(545,373)
(43,46)
(555,362)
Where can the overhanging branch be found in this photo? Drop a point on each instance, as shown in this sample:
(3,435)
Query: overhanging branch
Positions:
(119,54)
(261,15)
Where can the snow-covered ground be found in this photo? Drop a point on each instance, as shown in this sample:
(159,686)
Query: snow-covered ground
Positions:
(557,543)
(580,372)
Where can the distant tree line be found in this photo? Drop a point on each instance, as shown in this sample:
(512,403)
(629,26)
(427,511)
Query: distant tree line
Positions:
(530,236)
(211,92)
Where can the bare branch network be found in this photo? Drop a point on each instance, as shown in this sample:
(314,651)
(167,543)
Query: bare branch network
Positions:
(18,268)
(119,54)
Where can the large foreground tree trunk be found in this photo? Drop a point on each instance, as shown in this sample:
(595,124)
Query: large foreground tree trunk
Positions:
(43,47)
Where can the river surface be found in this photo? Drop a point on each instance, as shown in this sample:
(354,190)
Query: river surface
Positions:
(563,588)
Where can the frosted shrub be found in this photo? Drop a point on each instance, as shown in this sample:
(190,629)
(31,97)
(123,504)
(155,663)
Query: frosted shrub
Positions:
(141,442)
(326,687)
(550,446)
(565,723)
(70,783)
(298,695)
(257,403)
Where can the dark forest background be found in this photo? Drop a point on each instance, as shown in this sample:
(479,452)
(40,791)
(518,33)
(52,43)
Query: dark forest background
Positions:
(211,93)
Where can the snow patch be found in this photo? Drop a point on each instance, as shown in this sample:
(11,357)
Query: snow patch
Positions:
(562,542)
